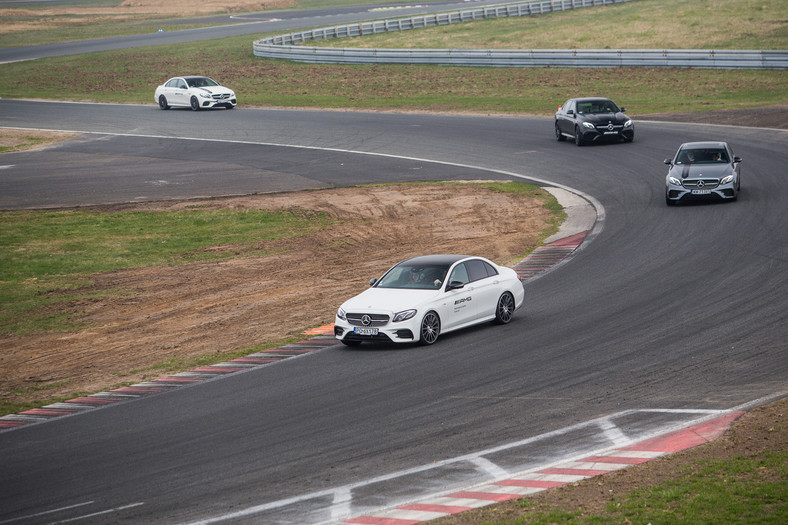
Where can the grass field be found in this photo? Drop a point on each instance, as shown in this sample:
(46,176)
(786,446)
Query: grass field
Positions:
(46,257)
(640,24)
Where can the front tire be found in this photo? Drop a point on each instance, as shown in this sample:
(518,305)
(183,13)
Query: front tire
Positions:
(430,328)
(578,137)
(163,102)
(195,104)
(504,310)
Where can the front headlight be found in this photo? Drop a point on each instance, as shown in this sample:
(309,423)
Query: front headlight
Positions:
(674,180)
(628,123)
(727,180)
(588,125)
(403,316)
(341,314)
(203,94)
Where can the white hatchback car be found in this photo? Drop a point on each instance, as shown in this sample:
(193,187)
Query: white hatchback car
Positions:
(423,297)
(195,92)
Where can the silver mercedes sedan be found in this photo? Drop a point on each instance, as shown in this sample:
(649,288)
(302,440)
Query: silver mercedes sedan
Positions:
(702,171)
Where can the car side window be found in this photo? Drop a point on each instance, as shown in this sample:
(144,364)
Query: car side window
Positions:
(490,270)
(459,274)
(476,270)
(181,84)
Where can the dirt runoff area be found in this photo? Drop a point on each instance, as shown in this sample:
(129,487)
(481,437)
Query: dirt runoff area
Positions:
(155,314)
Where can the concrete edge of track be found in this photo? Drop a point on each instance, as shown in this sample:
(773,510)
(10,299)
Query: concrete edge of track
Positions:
(562,473)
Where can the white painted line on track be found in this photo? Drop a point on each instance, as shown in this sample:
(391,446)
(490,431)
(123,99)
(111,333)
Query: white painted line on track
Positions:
(100,513)
(46,512)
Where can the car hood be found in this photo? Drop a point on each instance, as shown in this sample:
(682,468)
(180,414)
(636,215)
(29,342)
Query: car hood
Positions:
(698,171)
(604,118)
(388,300)
(219,90)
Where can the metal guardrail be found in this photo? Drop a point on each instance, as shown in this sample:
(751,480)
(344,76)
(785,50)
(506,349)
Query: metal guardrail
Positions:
(286,46)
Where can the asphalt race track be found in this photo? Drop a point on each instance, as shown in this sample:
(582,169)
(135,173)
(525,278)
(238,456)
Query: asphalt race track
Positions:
(665,311)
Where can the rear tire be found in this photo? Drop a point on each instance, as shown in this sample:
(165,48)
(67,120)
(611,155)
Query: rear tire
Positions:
(558,135)
(504,310)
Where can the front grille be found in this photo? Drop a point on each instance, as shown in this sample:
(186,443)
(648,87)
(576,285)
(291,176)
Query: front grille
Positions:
(708,184)
(375,319)
(606,127)
(220,96)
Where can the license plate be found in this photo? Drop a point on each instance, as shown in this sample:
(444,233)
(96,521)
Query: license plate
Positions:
(611,132)
(365,331)
(701,192)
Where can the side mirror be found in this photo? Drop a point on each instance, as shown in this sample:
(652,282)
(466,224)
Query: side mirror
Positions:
(571,112)
(667,161)
(455,285)
(623,109)
(372,281)
(736,159)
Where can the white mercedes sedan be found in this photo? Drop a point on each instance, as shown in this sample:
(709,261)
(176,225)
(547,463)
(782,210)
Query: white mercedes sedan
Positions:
(423,297)
(194,92)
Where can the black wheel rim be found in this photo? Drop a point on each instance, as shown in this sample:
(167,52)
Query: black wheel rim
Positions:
(195,104)
(430,328)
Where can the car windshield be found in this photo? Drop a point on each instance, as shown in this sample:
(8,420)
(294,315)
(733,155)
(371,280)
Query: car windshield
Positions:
(702,156)
(592,107)
(201,82)
(420,277)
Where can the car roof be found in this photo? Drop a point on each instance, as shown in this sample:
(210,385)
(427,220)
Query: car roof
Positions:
(436,260)
(589,99)
(701,145)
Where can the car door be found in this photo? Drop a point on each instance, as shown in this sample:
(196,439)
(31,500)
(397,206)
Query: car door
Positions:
(565,122)
(175,90)
(486,287)
(458,300)
(181,92)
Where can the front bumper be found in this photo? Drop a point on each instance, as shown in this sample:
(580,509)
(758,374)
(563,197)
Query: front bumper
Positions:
(603,135)
(221,102)
(401,332)
(675,193)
